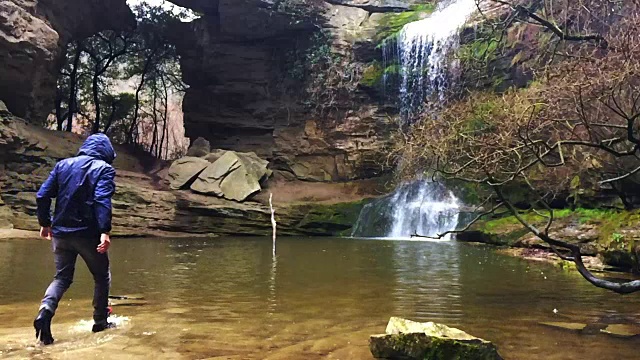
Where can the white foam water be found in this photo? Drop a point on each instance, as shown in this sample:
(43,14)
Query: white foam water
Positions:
(423,49)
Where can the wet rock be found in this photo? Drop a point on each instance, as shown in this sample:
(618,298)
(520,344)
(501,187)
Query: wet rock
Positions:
(185,170)
(406,339)
(199,148)
(234,176)
(615,330)
(619,259)
(622,330)
(578,327)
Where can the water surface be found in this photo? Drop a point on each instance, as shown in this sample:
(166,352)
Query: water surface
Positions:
(322,298)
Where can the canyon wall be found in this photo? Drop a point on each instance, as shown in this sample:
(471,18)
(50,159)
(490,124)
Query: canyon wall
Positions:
(33,34)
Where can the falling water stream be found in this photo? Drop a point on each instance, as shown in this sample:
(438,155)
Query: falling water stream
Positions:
(423,49)
(422,52)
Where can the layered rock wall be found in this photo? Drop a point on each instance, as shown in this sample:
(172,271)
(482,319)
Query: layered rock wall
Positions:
(33,34)
(142,204)
(236,60)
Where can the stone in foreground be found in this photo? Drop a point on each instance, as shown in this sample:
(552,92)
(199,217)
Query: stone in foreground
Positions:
(406,339)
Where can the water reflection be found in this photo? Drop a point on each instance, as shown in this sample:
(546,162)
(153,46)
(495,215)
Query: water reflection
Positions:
(430,276)
(321,298)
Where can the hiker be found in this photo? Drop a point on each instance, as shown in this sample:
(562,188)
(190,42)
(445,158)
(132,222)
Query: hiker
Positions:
(83,186)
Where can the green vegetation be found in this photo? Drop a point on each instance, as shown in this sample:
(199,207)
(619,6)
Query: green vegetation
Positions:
(390,25)
(332,219)
(609,224)
(372,75)
(121,83)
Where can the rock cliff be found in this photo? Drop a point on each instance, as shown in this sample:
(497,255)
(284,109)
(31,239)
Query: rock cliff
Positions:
(238,58)
(144,205)
(32,35)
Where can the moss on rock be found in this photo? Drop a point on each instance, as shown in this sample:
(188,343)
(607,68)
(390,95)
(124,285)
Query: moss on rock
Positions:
(613,235)
(329,219)
(390,24)
(406,339)
(372,75)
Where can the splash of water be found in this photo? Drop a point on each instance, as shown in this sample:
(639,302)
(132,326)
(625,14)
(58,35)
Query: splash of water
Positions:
(423,48)
(422,207)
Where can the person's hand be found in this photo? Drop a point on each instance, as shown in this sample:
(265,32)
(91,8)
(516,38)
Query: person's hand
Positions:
(105,242)
(45,232)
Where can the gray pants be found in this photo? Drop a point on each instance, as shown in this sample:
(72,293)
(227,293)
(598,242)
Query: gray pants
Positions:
(66,251)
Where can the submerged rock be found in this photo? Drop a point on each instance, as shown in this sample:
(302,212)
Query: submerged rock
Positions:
(615,330)
(183,171)
(622,330)
(406,339)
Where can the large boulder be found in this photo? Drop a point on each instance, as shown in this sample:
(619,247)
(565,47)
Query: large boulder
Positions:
(199,148)
(234,176)
(183,171)
(406,339)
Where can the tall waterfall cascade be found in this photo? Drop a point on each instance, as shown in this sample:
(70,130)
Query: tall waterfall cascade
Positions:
(422,52)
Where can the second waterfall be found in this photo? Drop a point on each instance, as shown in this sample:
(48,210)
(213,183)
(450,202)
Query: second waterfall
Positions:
(421,51)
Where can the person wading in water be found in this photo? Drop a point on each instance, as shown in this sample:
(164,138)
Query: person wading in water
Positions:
(82,186)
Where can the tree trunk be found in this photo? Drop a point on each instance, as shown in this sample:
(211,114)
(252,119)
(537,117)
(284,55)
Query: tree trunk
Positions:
(154,137)
(73,82)
(136,111)
(96,102)
(59,115)
(114,105)
(164,117)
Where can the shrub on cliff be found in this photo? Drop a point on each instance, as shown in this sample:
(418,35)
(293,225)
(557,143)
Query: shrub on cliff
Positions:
(574,129)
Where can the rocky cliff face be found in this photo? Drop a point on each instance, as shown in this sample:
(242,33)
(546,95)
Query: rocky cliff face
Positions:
(237,62)
(32,35)
(143,205)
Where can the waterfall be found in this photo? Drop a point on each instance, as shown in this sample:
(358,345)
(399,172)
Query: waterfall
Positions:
(422,53)
(422,207)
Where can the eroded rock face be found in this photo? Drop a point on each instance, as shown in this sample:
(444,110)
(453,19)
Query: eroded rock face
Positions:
(235,60)
(141,205)
(32,36)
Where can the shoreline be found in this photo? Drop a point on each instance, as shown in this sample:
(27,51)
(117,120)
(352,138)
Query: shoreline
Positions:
(10,234)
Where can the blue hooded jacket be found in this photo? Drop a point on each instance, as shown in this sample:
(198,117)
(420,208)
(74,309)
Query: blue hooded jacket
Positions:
(83,187)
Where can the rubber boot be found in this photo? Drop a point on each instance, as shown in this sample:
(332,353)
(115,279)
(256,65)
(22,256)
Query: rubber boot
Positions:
(101,326)
(42,324)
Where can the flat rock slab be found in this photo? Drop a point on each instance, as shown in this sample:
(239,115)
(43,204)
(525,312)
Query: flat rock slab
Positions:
(184,170)
(406,339)
(622,330)
(234,176)
(565,325)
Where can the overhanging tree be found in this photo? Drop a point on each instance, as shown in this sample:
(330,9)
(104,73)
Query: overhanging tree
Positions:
(577,120)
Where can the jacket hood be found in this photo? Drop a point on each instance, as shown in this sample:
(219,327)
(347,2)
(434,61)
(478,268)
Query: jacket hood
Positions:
(98,146)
